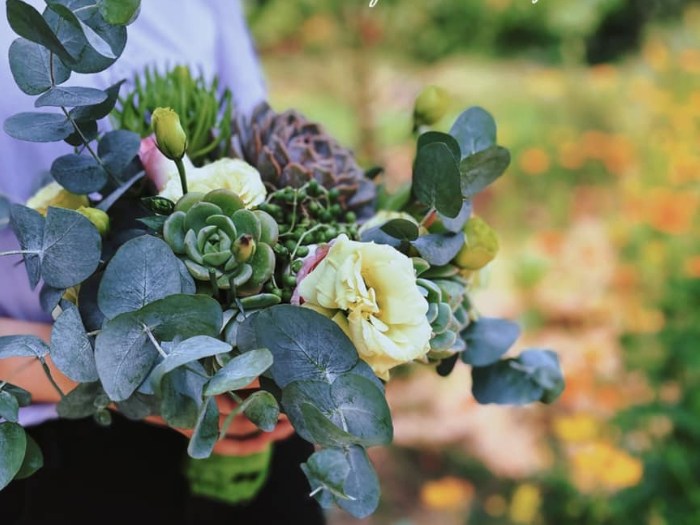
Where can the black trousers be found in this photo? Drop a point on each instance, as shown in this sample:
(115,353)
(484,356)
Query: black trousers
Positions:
(132,473)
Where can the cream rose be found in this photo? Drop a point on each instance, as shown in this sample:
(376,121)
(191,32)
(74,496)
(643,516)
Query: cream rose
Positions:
(370,291)
(53,194)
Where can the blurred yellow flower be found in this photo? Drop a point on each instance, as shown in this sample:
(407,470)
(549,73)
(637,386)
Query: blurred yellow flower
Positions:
(525,504)
(55,195)
(600,466)
(576,428)
(446,493)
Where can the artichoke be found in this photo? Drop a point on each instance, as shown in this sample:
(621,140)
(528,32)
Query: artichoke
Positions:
(288,150)
(221,242)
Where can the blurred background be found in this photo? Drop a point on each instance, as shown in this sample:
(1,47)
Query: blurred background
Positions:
(599,103)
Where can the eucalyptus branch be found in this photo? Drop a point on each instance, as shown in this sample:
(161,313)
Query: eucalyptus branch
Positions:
(428,216)
(154,341)
(47,371)
(20,252)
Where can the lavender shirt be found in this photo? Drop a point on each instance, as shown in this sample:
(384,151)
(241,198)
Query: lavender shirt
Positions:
(208,35)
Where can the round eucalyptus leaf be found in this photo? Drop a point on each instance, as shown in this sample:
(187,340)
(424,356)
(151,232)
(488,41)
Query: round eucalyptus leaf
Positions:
(38,127)
(143,270)
(33,459)
(79,174)
(439,248)
(13,445)
(9,407)
(23,397)
(87,132)
(71,248)
(436,179)
(327,469)
(482,168)
(28,225)
(98,111)
(30,64)
(118,148)
(182,316)
(456,224)
(304,344)
(22,346)
(488,339)
(474,130)
(49,297)
(431,137)
(71,349)
(70,97)
(119,12)
(361,485)
(139,406)
(263,410)
(181,395)
(81,401)
(401,229)
(90,313)
(206,431)
(239,372)
(28,23)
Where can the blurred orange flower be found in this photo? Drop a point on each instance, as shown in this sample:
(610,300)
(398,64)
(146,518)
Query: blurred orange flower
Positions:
(447,493)
(534,161)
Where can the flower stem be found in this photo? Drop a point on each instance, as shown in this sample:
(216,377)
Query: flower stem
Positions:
(183,177)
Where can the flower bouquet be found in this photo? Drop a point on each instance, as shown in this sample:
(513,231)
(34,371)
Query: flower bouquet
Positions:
(191,252)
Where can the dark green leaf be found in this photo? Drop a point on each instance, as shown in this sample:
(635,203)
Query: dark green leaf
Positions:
(101,110)
(113,197)
(533,376)
(364,370)
(139,406)
(488,339)
(71,248)
(239,372)
(9,407)
(88,132)
(70,97)
(304,344)
(377,236)
(482,168)
(436,179)
(189,350)
(28,225)
(474,130)
(436,136)
(31,63)
(71,349)
(28,23)
(33,459)
(80,402)
(118,148)
(49,297)
(183,316)
(361,485)
(446,366)
(143,270)
(401,229)
(206,431)
(13,445)
(79,174)
(363,408)
(327,470)
(119,12)
(181,392)
(23,397)
(322,430)
(22,346)
(96,42)
(262,409)
(456,224)
(38,127)
(439,248)
(87,303)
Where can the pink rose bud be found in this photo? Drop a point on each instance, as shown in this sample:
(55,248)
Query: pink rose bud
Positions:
(156,165)
(311,261)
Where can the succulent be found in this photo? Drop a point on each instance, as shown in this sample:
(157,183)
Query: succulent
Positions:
(222,243)
(288,150)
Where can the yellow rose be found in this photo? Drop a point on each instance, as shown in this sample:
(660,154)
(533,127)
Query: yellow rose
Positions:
(370,291)
(55,195)
(170,137)
(229,174)
(97,217)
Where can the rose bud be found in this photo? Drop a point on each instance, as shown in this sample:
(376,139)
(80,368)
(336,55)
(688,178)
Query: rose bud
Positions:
(480,245)
(431,106)
(170,137)
(97,217)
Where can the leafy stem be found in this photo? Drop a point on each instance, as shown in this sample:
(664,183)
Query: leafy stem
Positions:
(20,252)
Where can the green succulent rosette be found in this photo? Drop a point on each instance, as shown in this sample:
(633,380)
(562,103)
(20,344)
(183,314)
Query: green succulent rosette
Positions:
(223,245)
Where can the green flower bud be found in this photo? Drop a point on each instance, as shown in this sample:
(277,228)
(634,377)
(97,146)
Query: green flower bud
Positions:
(170,137)
(431,106)
(480,245)
(97,217)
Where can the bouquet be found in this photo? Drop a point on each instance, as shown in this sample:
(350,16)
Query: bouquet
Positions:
(191,252)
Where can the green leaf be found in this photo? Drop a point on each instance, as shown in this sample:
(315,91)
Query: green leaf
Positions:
(38,127)
(401,229)
(92,317)
(363,408)
(263,410)
(304,344)
(33,459)
(13,445)
(327,470)
(28,23)
(9,407)
(488,339)
(71,349)
(118,148)
(31,64)
(28,225)
(431,137)
(436,179)
(189,350)
(482,168)
(143,270)
(96,42)
(474,130)
(23,397)
(181,392)
(457,223)
(239,372)
(88,132)
(70,97)
(80,402)
(74,39)
(206,431)
(22,346)
(439,248)
(79,174)
(361,485)
(106,203)
(71,248)
(183,316)
(321,429)
(119,12)
(139,406)
(98,111)
(533,376)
